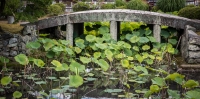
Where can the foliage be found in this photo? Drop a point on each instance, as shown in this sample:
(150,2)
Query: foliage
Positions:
(80,6)
(170,5)
(190,12)
(54,9)
(108,6)
(154,9)
(34,10)
(11,7)
(137,5)
(120,3)
(62,5)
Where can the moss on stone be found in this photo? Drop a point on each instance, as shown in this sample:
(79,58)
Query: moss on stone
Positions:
(12,28)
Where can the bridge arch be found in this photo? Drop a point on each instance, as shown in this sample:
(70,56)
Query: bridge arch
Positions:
(74,21)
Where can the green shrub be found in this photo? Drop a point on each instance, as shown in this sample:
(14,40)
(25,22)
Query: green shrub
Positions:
(154,9)
(190,12)
(11,7)
(80,6)
(137,5)
(119,3)
(108,6)
(170,5)
(54,9)
(121,7)
(62,5)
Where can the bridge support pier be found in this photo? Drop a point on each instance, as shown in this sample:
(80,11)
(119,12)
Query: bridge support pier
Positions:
(69,34)
(156,32)
(114,29)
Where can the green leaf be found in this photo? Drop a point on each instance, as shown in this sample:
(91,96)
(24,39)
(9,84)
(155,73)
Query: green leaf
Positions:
(80,43)
(90,38)
(58,48)
(39,62)
(69,51)
(174,94)
(97,55)
(158,81)
(154,88)
(143,40)
(65,66)
(74,66)
(99,40)
(50,54)
(75,80)
(127,45)
(40,82)
(108,53)
(172,41)
(193,94)
(101,46)
(77,50)
(103,64)
(152,39)
(106,37)
(85,60)
(139,58)
(191,84)
(148,32)
(165,34)
(128,52)
(136,48)
(149,61)
(56,63)
(17,94)
(48,45)
(103,30)
(64,42)
(125,63)
(134,39)
(146,47)
(6,80)
(33,45)
(174,76)
(4,59)
(22,59)
(128,36)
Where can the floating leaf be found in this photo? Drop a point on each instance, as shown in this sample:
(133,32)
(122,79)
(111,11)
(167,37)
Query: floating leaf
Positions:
(74,66)
(33,45)
(139,58)
(77,50)
(172,41)
(143,40)
(103,64)
(97,55)
(39,62)
(154,88)
(6,80)
(146,47)
(17,94)
(174,94)
(75,80)
(158,81)
(90,38)
(125,63)
(134,39)
(191,84)
(56,63)
(85,60)
(22,59)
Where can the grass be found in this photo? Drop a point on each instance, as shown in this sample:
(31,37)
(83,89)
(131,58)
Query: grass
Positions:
(12,28)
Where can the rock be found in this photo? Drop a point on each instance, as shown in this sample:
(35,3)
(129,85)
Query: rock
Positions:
(13,53)
(12,45)
(5,43)
(6,54)
(1,45)
(194,40)
(194,48)
(193,61)
(13,40)
(6,49)
(23,46)
(15,48)
(26,38)
(193,54)
(29,30)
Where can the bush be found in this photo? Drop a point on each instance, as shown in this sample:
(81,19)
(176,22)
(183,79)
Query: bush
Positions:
(137,5)
(80,6)
(154,9)
(121,7)
(54,9)
(190,12)
(11,7)
(62,5)
(170,5)
(108,6)
(119,3)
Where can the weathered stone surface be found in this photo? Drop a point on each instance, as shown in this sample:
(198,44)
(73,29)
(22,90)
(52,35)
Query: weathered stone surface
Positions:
(12,45)
(113,30)
(193,61)
(184,46)
(29,29)
(156,32)
(13,40)
(193,54)
(13,53)
(194,48)
(118,15)
(194,40)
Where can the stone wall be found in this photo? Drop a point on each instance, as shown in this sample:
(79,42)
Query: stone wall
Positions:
(190,45)
(14,44)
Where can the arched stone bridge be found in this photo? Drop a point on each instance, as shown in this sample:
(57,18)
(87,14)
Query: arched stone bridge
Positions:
(74,21)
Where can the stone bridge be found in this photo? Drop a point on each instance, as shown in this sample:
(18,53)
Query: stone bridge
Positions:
(74,21)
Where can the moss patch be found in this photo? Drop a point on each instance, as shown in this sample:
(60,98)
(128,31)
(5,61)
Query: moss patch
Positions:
(12,28)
